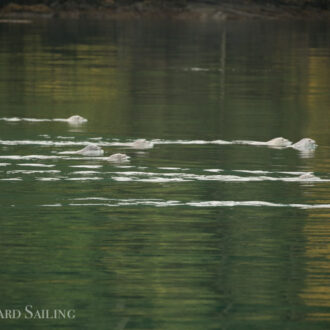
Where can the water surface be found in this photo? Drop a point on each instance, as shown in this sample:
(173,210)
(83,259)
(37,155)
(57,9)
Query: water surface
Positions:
(198,232)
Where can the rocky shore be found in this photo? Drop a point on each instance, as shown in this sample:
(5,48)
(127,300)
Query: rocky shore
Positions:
(16,13)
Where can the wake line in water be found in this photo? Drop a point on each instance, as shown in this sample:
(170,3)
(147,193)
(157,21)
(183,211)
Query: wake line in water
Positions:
(35,120)
(181,177)
(105,143)
(64,144)
(92,172)
(156,141)
(17,119)
(30,157)
(109,202)
(84,176)
(32,171)
(304,153)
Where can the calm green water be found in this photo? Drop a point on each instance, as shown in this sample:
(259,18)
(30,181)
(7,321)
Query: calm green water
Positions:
(194,233)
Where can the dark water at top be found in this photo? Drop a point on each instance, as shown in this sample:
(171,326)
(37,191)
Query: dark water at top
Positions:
(195,233)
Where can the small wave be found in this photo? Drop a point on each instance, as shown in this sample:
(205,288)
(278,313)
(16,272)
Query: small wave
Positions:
(197,69)
(93,204)
(43,157)
(124,166)
(4,164)
(248,142)
(65,137)
(181,177)
(32,171)
(157,141)
(155,179)
(18,157)
(86,172)
(42,143)
(122,178)
(254,204)
(253,171)
(11,179)
(96,138)
(13,119)
(16,119)
(83,158)
(213,170)
(93,198)
(35,165)
(86,166)
(48,179)
(84,178)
